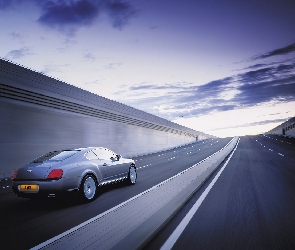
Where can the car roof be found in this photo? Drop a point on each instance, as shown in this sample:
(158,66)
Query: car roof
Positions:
(81,149)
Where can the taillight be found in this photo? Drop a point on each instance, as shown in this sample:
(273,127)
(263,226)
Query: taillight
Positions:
(14,175)
(55,174)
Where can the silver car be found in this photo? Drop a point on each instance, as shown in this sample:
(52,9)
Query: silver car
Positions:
(82,170)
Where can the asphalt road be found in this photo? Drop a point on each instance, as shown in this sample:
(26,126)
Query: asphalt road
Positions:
(251,205)
(25,224)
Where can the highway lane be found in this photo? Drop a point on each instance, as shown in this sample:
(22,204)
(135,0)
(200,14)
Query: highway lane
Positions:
(25,224)
(282,145)
(251,206)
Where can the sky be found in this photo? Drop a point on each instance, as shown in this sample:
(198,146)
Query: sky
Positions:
(225,68)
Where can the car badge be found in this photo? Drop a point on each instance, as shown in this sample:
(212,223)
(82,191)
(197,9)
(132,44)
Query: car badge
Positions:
(29,170)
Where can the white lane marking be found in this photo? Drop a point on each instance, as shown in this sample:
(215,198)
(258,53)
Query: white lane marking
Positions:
(5,179)
(271,149)
(182,225)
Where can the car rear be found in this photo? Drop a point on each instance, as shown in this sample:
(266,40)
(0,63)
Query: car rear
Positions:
(42,177)
(31,181)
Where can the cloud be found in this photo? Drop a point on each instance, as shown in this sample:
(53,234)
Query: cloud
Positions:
(16,35)
(252,94)
(257,66)
(252,88)
(90,57)
(49,68)
(207,93)
(120,13)
(281,51)
(69,41)
(68,15)
(252,124)
(257,75)
(257,85)
(144,86)
(154,27)
(18,53)
(112,65)
(95,82)
(199,110)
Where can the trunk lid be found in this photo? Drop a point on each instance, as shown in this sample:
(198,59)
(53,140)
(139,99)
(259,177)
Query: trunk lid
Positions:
(35,170)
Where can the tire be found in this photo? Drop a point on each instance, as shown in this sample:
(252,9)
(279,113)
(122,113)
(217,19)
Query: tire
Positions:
(132,176)
(88,188)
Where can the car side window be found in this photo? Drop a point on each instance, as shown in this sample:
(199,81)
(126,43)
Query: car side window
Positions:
(104,154)
(91,156)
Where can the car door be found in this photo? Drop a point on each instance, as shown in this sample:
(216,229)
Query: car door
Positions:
(97,162)
(111,167)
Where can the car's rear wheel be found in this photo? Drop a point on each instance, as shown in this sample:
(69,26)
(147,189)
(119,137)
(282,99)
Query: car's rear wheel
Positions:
(132,176)
(88,188)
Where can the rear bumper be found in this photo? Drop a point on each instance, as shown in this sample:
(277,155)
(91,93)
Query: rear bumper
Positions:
(47,188)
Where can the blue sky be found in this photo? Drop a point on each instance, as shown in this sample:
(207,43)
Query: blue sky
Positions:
(221,67)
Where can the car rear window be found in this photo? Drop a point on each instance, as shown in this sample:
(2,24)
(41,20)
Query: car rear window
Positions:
(55,156)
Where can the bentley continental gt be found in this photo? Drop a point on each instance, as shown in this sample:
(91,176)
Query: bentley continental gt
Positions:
(81,170)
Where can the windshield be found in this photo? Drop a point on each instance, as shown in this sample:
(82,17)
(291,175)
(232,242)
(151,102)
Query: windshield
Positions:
(55,156)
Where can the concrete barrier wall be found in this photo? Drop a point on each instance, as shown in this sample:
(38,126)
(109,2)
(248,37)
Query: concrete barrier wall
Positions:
(287,128)
(27,132)
(20,79)
(37,118)
(290,129)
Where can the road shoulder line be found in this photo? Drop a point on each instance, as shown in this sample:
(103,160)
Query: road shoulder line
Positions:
(182,225)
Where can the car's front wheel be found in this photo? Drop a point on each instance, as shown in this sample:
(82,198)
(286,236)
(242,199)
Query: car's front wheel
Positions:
(132,175)
(88,188)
